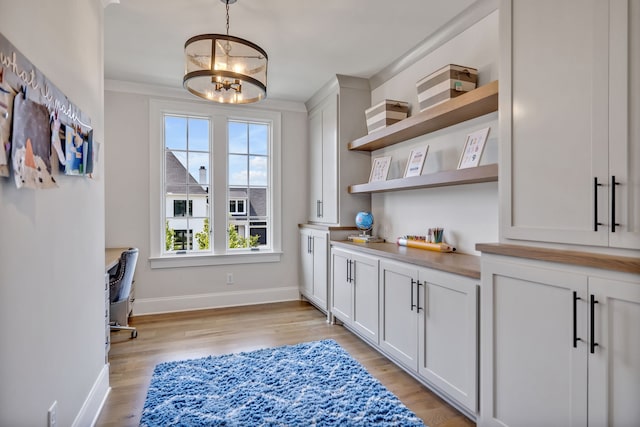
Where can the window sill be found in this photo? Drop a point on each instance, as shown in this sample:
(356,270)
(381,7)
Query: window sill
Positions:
(193,260)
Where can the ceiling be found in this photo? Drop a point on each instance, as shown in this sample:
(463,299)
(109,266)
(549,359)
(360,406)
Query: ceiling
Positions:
(308,41)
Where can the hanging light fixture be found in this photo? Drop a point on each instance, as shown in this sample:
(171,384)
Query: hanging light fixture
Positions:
(224,68)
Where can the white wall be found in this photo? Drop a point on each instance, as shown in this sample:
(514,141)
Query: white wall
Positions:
(469,213)
(52,251)
(128,210)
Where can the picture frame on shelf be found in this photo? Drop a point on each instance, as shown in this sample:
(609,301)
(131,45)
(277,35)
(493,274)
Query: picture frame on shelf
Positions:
(380,169)
(473,148)
(416,162)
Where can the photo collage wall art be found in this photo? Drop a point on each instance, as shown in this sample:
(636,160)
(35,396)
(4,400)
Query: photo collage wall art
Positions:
(42,134)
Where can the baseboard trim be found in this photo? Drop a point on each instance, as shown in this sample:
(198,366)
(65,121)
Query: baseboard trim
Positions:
(145,306)
(92,406)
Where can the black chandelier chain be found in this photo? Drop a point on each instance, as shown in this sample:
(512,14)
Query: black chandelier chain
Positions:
(227,17)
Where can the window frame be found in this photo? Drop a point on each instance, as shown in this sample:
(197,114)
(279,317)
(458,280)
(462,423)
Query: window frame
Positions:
(218,117)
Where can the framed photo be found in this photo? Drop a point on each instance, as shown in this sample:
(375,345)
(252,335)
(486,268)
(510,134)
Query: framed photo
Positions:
(416,162)
(473,148)
(380,169)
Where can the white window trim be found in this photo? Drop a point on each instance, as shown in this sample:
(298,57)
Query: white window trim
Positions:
(218,116)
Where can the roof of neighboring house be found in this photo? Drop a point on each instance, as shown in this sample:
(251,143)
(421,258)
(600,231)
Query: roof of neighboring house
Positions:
(257,199)
(175,172)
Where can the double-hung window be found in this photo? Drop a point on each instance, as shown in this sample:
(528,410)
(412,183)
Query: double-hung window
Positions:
(214,184)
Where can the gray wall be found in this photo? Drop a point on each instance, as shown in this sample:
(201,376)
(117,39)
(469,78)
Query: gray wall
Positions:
(128,212)
(52,256)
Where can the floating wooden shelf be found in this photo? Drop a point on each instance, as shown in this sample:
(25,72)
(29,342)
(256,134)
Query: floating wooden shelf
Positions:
(475,103)
(486,173)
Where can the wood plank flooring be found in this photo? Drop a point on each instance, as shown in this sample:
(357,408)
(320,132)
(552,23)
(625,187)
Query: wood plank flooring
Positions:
(195,334)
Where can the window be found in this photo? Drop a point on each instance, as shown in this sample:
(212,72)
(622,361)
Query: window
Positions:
(215,187)
(186,162)
(237,207)
(180,207)
(182,240)
(248,175)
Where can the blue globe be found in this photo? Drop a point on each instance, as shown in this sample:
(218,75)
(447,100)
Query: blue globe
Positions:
(364,221)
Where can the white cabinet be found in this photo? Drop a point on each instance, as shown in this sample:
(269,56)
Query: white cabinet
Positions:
(570,138)
(336,117)
(614,365)
(448,335)
(428,323)
(313,262)
(399,312)
(543,360)
(355,292)
(323,137)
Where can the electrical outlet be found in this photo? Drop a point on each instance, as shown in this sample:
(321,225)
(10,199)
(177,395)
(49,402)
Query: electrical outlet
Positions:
(52,415)
(229,278)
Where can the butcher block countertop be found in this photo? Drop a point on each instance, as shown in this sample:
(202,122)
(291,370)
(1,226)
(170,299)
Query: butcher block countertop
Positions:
(585,259)
(452,262)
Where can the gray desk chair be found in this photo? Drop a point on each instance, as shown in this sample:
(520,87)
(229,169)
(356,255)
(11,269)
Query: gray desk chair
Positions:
(120,284)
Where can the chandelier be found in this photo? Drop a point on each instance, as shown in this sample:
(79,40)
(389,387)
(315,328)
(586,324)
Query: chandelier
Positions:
(224,68)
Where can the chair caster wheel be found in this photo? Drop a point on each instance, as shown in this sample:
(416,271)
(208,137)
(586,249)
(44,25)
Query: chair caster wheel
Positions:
(134,334)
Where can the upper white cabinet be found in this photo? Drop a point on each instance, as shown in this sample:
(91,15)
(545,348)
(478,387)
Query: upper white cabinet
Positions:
(570,138)
(336,117)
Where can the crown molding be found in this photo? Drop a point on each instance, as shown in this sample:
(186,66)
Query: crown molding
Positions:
(179,93)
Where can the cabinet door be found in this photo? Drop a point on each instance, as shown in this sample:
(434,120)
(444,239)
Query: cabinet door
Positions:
(329,206)
(341,291)
(555,126)
(614,365)
(315,165)
(319,249)
(624,130)
(365,298)
(531,373)
(447,334)
(399,316)
(306,264)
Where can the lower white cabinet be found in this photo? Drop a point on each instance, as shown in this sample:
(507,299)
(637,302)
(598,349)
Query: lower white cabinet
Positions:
(314,266)
(560,346)
(355,292)
(428,323)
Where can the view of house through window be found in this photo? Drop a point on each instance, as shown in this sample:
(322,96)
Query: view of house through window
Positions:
(248,184)
(186,183)
(188,189)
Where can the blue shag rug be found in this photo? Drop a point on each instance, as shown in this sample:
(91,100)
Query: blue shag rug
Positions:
(309,384)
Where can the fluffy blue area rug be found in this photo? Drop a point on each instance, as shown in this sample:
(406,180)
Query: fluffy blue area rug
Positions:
(308,384)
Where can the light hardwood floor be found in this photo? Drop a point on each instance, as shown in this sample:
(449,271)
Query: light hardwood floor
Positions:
(195,334)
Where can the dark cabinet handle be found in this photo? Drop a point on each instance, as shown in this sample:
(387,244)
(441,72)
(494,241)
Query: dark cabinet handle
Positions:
(418,295)
(613,203)
(348,271)
(575,319)
(353,271)
(413,282)
(595,203)
(320,210)
(593,344)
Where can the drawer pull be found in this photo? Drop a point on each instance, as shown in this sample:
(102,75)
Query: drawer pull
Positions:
(575,319)
(593,343)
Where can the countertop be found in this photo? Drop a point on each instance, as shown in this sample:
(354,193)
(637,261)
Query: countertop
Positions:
(585,259)
(452,262)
